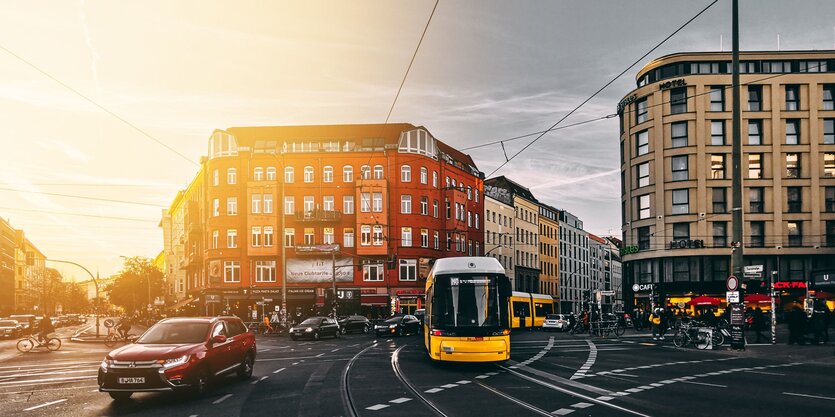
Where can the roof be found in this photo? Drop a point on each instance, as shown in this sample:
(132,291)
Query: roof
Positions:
(597,239)
(726,55)
(467,264)
(248,135)
(502,182)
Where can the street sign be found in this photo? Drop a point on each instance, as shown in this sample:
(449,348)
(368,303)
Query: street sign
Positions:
(732,283)
(277,308)
(753,268)
(260,303)
(268,300)
(732,296)
(607,293)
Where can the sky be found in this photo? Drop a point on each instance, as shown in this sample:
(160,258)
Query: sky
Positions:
(486,70)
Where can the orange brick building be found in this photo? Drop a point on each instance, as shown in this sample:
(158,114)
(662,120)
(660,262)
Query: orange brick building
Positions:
(371,204)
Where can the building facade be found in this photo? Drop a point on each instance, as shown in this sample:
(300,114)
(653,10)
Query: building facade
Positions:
(549,244)
(7,268)
(675,131)
(575,285)
(613,270)
(498,233)
(366,208)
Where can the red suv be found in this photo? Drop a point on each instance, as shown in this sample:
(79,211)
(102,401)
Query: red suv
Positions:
(179,354)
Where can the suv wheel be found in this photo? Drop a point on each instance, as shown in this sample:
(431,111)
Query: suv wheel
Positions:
(365,328)
(245,371)
(201,382)
(120,395)
(343,330)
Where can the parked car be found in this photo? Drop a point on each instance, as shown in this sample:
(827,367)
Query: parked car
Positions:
(182,353)
(555,322)
(421,315)
(398,325)
(354,324)
(11,329)
(315,328)
(25,320)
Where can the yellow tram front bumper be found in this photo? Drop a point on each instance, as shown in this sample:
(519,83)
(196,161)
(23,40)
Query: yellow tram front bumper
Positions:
(463,349)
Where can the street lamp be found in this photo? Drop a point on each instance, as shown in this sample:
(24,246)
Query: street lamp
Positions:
(95,282)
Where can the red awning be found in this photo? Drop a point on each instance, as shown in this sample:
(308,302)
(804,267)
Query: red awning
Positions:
(705,301)
(757,298)
(375,300)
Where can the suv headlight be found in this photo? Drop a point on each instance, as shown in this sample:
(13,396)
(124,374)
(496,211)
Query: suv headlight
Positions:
(105,364)
(308,330)
(170,363)
(392,326)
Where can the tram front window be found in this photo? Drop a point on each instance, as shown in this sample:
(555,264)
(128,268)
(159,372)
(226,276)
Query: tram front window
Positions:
(472,302)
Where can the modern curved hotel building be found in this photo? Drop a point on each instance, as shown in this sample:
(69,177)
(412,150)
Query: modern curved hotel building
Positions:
(675,139)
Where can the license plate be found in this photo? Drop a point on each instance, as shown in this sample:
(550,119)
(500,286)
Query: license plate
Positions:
(134,380)
(475,338)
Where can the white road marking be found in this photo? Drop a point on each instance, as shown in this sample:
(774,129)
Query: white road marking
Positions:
(279,370)
(705,383)
(376,407)
(462,382)
(400,400)
(449,386)
(335,350)
(433,390)
(45,405)
(222,399)
(765,373)
(320,355)
(809,396)
(589,362)
(582,405)
(259,380)
(193,415)
(563,411)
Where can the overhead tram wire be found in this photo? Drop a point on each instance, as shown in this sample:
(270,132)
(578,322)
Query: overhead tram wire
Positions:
(63,213)
(93,102)
(107,200)
(610,82)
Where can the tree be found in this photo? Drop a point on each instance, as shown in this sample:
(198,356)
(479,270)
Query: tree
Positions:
(136,285)
(44,290)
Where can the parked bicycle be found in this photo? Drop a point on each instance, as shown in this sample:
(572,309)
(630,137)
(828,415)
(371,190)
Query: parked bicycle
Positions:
(31,342)
(578,327)
(688,333)
(115,337)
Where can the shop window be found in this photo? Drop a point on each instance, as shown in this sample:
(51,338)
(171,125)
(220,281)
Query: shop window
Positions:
(720,268)
(681,269)
(796,270)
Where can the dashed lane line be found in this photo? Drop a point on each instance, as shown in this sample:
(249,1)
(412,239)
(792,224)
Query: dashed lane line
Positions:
(45,405)
(705,384)
(279,370)
(820,397)
(377,407)
(259,380)
(400,400)
(221,399)
(765,373)
(589,362)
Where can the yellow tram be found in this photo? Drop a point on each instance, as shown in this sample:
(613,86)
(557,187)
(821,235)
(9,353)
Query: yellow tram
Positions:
(533,307)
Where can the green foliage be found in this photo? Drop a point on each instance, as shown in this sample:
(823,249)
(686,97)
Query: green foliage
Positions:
(131,286)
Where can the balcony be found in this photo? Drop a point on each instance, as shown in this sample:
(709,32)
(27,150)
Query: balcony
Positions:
(319,216)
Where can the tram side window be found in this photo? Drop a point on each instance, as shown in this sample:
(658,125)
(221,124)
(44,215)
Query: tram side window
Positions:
(521,308)
(541,309)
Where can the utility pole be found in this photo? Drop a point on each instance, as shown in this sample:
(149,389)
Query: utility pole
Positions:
(736,185)
(333,271)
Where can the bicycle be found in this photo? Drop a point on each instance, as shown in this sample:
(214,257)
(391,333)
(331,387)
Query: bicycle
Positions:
(689,333)
(30,342)
(115,337)
(578,327)
(614,326)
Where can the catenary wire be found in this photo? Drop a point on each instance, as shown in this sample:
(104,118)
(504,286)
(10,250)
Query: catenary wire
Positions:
(82,197)
(64,213)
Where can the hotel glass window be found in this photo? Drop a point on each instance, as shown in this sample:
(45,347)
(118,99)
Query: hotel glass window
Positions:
(215,238)
(231,176)
(406,173)
(377,235)
(308,174)
(289,205)
(828,131)
(792,97)
(256,203)
(408,269)
(270,173)
(327,174)
(643,174)
(264,271)
(424,175)
(643,238)
(365,202)
(309,238)
(717,167)
(678,100)
(256,236)
(289,175)
(215,178)
(829,97)
(289,237)
(720,204)
(268,203)
(424,205)
(795,229)
(231,271)
(645,270)
(720,234)
(794,199)
(755,166)
(755,132)
(259,174)
(406,237)
(681,269)
(268,236)
(717,132)
(641,111)
(377,202)
(755,98)
(829,196)
(717,98)
(681,201)
(829,165)
(308,203)
(756,200)
(378,172)
(231,238)
(643,207)
(216,207)
(348,204)
(679,165)
(792,132)
(328,203)
(830,233)
(347,173)
(678,134)
(327,235)
(232,206)
(405,204)
(757,234)
(642,143)
(365,235)
(792,165)
(372,272)
(365,172)
(348,237)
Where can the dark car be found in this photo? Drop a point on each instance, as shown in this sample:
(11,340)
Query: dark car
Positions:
(10,329)
(315,328)
(421,315)
(354,324)
(28,321)
(176,354)
(398,325)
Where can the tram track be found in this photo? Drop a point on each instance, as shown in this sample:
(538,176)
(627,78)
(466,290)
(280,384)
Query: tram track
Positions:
(347,397)
(395,366)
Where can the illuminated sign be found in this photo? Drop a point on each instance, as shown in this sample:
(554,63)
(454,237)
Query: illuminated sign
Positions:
(642,287)
(687,244)
(672,84)
(626,250)
(782,285)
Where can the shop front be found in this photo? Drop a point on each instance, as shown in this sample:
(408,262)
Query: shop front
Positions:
(406,301)
(375,302)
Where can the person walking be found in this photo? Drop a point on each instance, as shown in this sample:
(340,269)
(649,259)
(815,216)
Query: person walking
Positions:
(758,323)
(655,321)
(797,325)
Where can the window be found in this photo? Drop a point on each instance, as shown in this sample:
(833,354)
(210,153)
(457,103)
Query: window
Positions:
(435,208)
(424,238)
(406,173)
(643,238)
(215,178)
(829,193)
(717,98)
(231,176)
(448,209)
(365,172)
(231,271)
(408,270)
(717,167)
(755,132)
(795,233)
(258,175)
(424,175)
(437,239)
(679,165)
(268,236)
(264,271)
(256,203)
(232,206)
(678,100)
(372,272)
(365,235)
(681,231)
(289,175)
(424,205)
(348,204)
(377,236)
(308,174)
(756,200)
(755,98)
(812,66)
(829,97)
(347,173)
(681,269)
(308,204)
(289,205)
(792,132)
(328,203)
(755,166)
(348,237)
(720,200)
(309,238)
(256,236)
(469,193)
(435,179)
(327,235)
(327,174)
(828,131)
(216,207)
(215,238)
(378,172)
(830,233)
(681,201)
(792,97)
(270,173)
(720,234)
(642,143)
(365,202)
(405,204)
(792,165)
(717,132)
(678,134)
(794,199)
(642,174)
(476,221)
(377,202)
(829,165)
(289,237)
(406,237)
(643,207)
(231,238)
(641,111)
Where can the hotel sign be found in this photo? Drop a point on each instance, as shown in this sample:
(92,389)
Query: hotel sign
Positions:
(687,244)
(681,82)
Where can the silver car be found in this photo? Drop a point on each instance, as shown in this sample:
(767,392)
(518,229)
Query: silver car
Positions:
(555,322)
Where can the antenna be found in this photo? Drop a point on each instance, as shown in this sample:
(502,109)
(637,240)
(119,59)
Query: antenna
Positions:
(778,41)
(722,42)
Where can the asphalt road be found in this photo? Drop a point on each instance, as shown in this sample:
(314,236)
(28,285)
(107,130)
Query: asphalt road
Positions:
(549,374)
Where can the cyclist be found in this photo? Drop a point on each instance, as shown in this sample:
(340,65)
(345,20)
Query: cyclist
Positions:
(45,328)
(124,326)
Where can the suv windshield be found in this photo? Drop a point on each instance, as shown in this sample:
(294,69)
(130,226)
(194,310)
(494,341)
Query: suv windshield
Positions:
(175,333)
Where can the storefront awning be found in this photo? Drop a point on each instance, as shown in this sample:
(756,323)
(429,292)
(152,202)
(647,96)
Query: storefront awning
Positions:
(757,298)
(181,304)
(375,300)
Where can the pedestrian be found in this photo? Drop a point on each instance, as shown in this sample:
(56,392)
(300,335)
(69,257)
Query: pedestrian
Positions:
(797,325)
(758,323)
(655,322)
